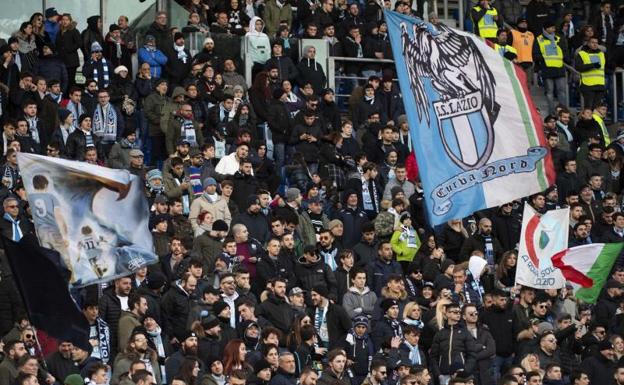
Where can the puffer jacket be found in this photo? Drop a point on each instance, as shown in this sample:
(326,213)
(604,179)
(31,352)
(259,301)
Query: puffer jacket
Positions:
(452,346)
(110,312)
(314,274)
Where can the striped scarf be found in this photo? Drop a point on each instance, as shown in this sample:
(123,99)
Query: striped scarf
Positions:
(105,75)
(105,126)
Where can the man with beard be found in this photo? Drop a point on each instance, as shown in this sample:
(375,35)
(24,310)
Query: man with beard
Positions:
(328,250)
(210,346)
(176,305)
(60,363)
(224,314)
(284,64)
(484,241)
(331,320)
(276,309)
(113,301)
(315,215)
(130,319)
(188,348)
(137,348)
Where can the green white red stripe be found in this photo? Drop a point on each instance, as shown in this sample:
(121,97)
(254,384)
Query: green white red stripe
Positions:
(588,266)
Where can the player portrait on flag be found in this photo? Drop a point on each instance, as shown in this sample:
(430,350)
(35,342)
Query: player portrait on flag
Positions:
(77,211)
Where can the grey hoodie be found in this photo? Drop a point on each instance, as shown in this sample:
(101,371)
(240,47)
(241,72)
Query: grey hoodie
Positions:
(356,303)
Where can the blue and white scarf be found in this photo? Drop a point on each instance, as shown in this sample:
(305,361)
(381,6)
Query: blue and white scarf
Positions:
(105,126)
(76,109)
(105,75)
(16,232)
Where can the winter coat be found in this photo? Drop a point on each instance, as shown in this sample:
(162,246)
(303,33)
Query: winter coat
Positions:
(280,122)
(77,145)
(282,267)
(176,305)
(155,58)
(314,274)
(329,378)
(177,68)
(384,330)
(311,71)
(485,352)
(119,156)
(378,273)
(51,67)
(598,369)
(153,108)
(91,34)
(163,37)
(67,45)
(110,312)
(285,66)
(274,15)
(452,347)
(500,325)
(309,150)
(276,311)
(257,224)
(338,323)
(352,221)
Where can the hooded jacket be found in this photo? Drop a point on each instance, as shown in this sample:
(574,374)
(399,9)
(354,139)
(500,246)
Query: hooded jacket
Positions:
(311,71)
(91,34)
(258,43)
(356,303)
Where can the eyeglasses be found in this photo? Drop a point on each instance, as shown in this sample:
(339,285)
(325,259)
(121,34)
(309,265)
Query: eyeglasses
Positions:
(474,314)
(12,207)
(518,374)
(552,340)
(600,332)
(27,335)
(454,311)
(227,282)
(542,306)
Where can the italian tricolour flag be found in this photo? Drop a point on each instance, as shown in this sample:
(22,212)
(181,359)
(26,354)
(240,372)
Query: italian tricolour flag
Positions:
(588,266)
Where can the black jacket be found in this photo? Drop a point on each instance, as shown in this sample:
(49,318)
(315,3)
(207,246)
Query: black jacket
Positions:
(76,145)
(176,305)
(500,323)
(285,66)
(67,45)
(280,121)
(311,71)
(110,311)
(267,269)
(338,323)
(277,312)
(315,274)
(352,220)
(452,346)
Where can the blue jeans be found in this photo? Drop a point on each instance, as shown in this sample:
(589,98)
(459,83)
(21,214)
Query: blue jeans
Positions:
(279,154)
(498,365)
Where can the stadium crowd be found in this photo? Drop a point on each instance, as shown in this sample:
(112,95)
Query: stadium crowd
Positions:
(293,242)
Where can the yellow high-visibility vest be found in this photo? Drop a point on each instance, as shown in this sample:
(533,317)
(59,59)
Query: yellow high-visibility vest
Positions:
(551,52)
(502,49)
(595,76)
(603,128)
(487,25)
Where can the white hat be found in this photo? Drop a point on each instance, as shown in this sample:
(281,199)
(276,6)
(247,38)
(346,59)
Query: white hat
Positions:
(119,69)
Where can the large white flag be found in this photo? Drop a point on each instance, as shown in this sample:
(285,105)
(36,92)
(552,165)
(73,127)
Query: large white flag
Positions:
(542,237)
(95,217)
